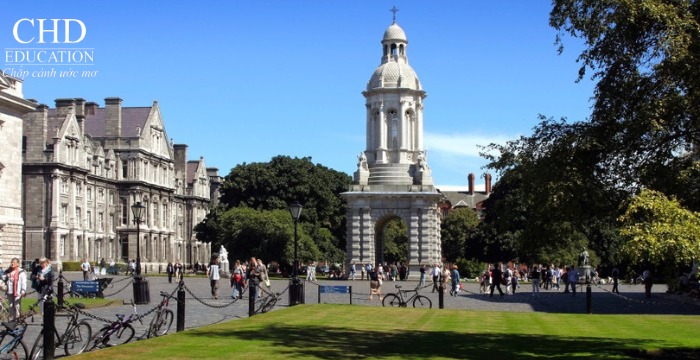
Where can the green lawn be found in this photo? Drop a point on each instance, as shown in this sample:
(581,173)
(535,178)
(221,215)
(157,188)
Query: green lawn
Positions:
(352,332)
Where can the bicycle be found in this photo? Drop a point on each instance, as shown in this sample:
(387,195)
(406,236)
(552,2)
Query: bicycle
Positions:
(13,332)
(117,333)
(163,319)
(75,338)
(266,303)
(401,299)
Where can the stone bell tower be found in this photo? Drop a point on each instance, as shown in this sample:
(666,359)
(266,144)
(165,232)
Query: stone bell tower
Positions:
(393,179)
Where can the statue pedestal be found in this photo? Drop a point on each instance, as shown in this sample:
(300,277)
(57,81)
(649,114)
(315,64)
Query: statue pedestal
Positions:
(584,273)
(225,267)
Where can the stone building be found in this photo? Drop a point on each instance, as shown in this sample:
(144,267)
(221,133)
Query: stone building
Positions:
(85,166)
(12,108)
(465,197)
(393,179)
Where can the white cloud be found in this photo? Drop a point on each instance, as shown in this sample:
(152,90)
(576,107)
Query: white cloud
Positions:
(461,145)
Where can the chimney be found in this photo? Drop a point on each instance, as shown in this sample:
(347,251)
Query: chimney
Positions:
(65,107)
(90,108)
(470,177)
(180,159)
(113,117)
(487,177)
(80,114)
(35,127)
(214,185)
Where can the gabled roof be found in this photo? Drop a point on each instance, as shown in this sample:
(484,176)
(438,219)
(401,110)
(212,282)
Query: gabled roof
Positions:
(133,118)
(464,198)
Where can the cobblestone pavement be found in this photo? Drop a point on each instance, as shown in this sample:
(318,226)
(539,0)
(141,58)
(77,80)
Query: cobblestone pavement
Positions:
(202,309)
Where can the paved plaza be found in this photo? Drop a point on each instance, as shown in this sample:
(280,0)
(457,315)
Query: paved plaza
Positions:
(202,309)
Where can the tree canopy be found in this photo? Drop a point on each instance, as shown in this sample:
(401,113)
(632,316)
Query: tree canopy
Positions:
(658,230)
(253,218)
(456,229)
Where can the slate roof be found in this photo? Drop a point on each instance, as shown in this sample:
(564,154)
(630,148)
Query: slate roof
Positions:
(191,171)
(95,125)
(462,198)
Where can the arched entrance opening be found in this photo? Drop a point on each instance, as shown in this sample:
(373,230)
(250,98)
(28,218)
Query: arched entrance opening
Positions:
(391,240)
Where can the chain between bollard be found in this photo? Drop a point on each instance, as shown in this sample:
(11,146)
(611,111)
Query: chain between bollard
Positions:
(118,291)
(207,304)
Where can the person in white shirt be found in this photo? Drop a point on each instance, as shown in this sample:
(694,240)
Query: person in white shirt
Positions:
(214,276)
(85,266)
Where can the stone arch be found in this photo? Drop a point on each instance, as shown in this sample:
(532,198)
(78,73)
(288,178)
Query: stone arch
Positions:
(380,221)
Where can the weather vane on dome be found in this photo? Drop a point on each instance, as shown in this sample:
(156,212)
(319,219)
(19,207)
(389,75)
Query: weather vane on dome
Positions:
(394,10)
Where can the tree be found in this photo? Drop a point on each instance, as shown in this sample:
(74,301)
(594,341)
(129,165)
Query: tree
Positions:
(283,180)
(658,230)
(551,199)
(395,241)
(645,56)
(268,235)
(457,227)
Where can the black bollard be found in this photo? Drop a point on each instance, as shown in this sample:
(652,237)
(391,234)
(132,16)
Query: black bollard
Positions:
(251,297)
(181,306)
(589,305)
(441,296)
(160,268)
(49,328)
(60,289)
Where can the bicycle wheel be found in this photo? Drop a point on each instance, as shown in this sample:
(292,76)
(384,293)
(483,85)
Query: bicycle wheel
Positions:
(78,339)
(392,300)
(103,338)
(161,323)
(268,305)
(422,302)
(38,347)
(18,351)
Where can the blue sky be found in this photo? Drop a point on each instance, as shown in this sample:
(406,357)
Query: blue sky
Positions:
(243,81)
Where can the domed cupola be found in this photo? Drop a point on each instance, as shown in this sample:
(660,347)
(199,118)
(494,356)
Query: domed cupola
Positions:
(394,71)
(394,154)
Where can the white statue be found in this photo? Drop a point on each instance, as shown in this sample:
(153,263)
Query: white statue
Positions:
(422,162)
(223,254)
(362,161)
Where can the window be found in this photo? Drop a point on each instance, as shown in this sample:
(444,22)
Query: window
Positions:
(125,211)
(62,245)
(78,212)
(156,218)
(89,192)
(64,186)
(125,169)
(101,221)
(89,219)
(78,189)
(165,215)
(111,223)
(62,213)
(101,195)
(111,198)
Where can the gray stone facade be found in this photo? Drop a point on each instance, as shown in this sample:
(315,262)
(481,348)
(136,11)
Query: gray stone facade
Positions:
(12,108)
(393,179)
(85,166)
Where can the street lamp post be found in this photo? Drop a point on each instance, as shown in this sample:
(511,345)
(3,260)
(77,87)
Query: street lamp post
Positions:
(296,287)
(141,291)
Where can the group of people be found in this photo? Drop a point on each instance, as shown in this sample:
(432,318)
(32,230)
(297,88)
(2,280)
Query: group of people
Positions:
(13,281)
(253,272)
(174,270)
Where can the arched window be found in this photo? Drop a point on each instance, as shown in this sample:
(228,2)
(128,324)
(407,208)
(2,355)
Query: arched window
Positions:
(393,129)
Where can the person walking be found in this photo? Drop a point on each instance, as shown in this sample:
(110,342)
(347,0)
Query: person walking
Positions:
(253,277)
(85,266)
(616,279)
(362,272)
(214,276)
(455,280)
(421,283)
(237,281)
(353,269)
(170,270)
(573,278)
(178,270)
(497,277)
(535,278)
(16,287)
(45,278)
(436,277)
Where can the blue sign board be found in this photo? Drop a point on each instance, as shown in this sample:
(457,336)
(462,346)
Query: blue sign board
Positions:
(85,287)
(335,289)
